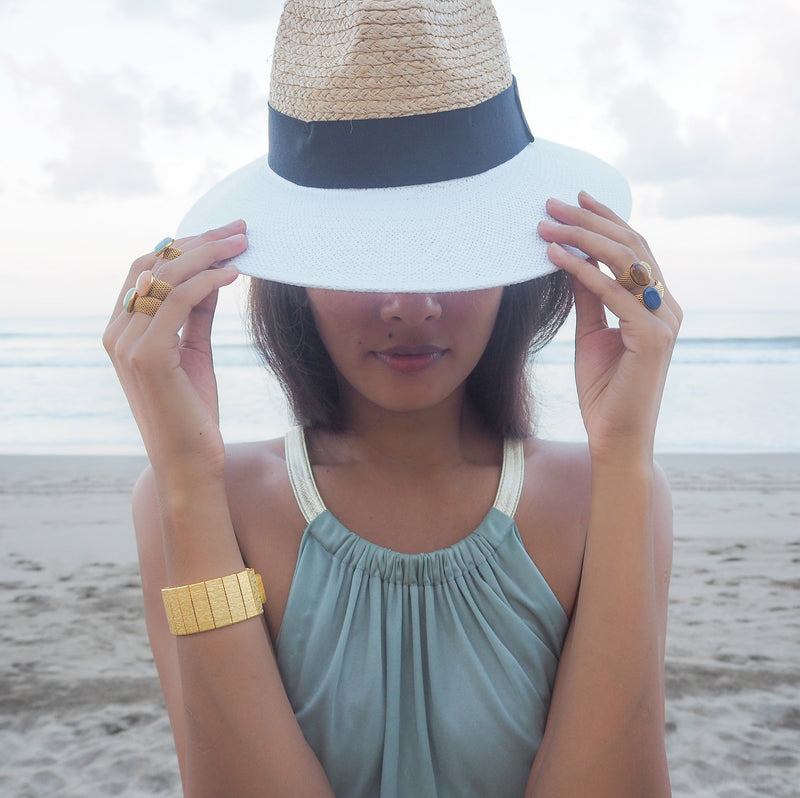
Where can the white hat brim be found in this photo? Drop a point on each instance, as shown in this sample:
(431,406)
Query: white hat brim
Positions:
(457,235)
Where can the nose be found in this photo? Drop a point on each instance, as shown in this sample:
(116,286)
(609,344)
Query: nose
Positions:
(413,309)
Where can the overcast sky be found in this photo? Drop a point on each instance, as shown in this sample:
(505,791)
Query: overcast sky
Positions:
(118,114)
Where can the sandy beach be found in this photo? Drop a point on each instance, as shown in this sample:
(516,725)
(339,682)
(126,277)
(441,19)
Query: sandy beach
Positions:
(80,707)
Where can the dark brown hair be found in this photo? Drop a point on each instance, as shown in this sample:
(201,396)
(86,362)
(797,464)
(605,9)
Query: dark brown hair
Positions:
(286,337)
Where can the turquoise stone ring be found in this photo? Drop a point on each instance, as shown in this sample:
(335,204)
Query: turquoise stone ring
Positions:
(130,298)
(164,249)
(162,245)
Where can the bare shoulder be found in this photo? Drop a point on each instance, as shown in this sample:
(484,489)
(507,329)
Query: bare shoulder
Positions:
(256,462)
(562,462)
(557,485)
(260,497)
(558,475)
(553,513)
(258,487)
(266,519)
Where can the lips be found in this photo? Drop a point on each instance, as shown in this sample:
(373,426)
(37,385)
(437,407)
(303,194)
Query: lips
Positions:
(410,359)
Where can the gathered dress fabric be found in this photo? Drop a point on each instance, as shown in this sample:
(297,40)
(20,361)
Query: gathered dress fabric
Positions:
(419,675)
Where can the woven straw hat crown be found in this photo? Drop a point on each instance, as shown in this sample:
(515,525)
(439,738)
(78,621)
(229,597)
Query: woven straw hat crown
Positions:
(399,156)
(371,59)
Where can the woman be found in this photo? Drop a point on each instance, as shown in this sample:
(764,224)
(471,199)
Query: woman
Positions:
(451,607)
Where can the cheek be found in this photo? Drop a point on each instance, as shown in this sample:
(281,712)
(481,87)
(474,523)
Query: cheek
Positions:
(342,319)
(476,313)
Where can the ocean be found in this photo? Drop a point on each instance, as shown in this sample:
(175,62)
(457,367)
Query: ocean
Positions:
(733,387)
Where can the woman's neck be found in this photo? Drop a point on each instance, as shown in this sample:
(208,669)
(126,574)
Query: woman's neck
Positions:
(447,433)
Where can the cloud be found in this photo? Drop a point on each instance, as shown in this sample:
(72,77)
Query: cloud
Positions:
(109,174)
(234,11)
(733,150)
(103,124)
(238,107)
(242,10)
(656,150)
(245,101)
(144,8)
(785,247)
(94,127)
(701,166)
(655,25)
(173,109)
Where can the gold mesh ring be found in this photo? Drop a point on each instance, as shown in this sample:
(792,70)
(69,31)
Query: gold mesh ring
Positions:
(146,304)
(151,297)
(170,253)
(637,276)
(164,249)
(156,288)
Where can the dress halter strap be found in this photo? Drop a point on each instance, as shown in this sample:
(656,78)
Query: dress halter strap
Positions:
(301,476)
(311,505)
(511,476)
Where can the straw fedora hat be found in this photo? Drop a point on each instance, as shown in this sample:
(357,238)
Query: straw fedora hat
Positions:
(399,156)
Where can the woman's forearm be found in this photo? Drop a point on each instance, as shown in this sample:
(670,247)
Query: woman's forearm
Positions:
(199,540)
(239,733)
(616,618)
(606,724)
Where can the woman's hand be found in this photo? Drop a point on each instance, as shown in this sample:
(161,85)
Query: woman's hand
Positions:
(611,667)
(164,361)
(620,373)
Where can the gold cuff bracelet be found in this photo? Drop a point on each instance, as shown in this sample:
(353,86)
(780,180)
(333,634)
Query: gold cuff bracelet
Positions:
(208,605)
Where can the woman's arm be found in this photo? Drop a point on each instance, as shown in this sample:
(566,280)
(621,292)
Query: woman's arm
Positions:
(235,732)
(605,730)
(234,729)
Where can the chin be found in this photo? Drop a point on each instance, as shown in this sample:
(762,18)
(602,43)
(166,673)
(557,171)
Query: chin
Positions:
(402,401)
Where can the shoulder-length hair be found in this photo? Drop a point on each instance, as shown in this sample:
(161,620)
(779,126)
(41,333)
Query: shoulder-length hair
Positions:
(285,335)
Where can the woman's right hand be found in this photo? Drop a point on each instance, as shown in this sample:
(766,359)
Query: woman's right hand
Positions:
(164,361)
(233,724)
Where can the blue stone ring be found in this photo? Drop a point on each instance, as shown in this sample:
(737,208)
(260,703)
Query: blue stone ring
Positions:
(651,296)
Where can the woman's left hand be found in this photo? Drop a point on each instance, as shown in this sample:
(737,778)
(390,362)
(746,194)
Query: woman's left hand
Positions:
(620,372)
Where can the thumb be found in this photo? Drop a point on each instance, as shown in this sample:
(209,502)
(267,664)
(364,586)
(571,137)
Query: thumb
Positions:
(196,332)
(590,313)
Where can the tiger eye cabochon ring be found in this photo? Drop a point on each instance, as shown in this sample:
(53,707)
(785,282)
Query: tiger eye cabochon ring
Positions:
(638,277)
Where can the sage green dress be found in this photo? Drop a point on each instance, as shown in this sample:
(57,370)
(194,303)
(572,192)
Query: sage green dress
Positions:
(419,675)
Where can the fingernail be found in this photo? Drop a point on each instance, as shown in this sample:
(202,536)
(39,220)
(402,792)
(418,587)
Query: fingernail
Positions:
(549,224)
(144,281)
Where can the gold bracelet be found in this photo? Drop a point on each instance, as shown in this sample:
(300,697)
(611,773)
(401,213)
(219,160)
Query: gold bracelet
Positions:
(214,603)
